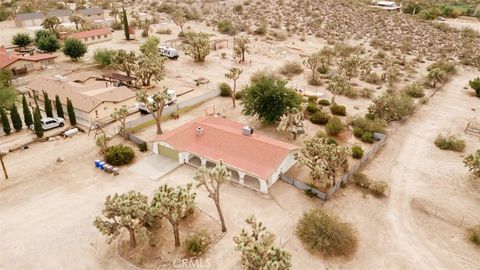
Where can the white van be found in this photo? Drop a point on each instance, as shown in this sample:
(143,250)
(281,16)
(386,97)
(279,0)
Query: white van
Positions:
(173,98)
(169,52)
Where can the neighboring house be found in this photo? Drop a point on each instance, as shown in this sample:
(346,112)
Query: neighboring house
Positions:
(29,19)
(255,160)
(17,62)
(93,100)
(62,14)
(93,36)
(92,14)
(387,5)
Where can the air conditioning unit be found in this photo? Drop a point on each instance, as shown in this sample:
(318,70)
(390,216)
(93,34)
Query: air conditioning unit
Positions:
(247,130)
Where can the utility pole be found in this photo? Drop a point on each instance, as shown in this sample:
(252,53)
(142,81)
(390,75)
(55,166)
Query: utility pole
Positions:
(2,154)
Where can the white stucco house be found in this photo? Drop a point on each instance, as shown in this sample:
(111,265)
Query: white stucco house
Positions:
(255,160)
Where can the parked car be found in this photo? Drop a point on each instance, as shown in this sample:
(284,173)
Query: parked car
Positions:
(173,98)
(169,52)
(50,122)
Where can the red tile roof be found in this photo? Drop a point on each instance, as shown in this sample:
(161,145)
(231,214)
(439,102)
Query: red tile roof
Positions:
(222,139)
(92,33)
(6,60)
(37,57)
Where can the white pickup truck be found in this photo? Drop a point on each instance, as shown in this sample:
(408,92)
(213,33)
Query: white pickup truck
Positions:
(173,98)
(50,122)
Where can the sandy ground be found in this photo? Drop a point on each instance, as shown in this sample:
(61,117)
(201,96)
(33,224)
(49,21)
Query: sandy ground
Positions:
(464,22)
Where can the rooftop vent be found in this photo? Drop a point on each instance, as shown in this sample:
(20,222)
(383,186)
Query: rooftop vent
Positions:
(200,131)
(247,130)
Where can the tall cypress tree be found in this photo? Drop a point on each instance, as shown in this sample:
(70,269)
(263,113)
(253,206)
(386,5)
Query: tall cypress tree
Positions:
(37,123)
(16,120)
(125,24)
(27,114)
(5,123)
(58,107)
(48,105)
(71,113)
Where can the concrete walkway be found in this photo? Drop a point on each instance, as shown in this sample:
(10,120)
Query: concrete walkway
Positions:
(154,166)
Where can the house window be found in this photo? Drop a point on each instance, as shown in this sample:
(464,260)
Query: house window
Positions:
(86,39)
(93,38)
(105,108)
(105,36)
(99,37)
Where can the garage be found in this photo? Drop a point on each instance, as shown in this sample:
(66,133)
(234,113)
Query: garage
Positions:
(167,152)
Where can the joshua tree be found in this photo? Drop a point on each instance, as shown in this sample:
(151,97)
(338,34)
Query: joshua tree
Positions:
(174,204)
(124,61)
(313,62)
(212,179)
(120,114)
(198,46)
(130,211)
(114,12)
(179,19)
(155,105)
(257,248)
(292,121)
(234,74)
(51,23)
(324,159)
(76,19)
(240,46)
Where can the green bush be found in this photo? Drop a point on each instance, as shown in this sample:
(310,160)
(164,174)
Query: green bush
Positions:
(320,118)
(312,99)
(361,180)
(262,29)
(334,126)
(473,234)
(239,95)
(164,31)
(227,27)
(116,25)
(225,89)
(143,147)
(415,90)
(338,110)
(357,152)
(450,142)
(119,155)
(196,243)
(332,141)
(312,108)
(368,124)
(358,132)
(103,57)
(74,48)
(324,102)
(367,137)
(378,188)
(475,84)
(325,232)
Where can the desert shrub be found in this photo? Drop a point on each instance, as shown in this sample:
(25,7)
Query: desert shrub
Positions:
(117,25)
(373,78)
(367,137)
(196,243)
(320,118)
(472,162)
(325,232)
(291,69)
(225,89)
(414,90)
(279,35)
(475,84)
(164,31)
(238,9)
(226,27)
(357,152)
(324,102)
(119,155)
(378,188)
(334,126)
(450,142)
(429,14)
(332,141)
(312,99)
(392,107)
(338,110)
(239,95)
(358,132)
(312,108)
(473,234)
(261,30)
(143,147)
(361,180)
(104,57)
(365,93)
(368,124)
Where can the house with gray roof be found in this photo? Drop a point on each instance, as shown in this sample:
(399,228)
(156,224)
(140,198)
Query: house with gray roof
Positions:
(29,19)
(92,14)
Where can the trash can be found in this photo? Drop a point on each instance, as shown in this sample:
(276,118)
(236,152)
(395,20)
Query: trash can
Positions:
(115,171)
(102,165)
(108,168)
(97,163)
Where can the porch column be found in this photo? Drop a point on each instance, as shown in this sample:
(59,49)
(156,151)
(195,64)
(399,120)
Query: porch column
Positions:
(263,186)
(241,177)
(204,161)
